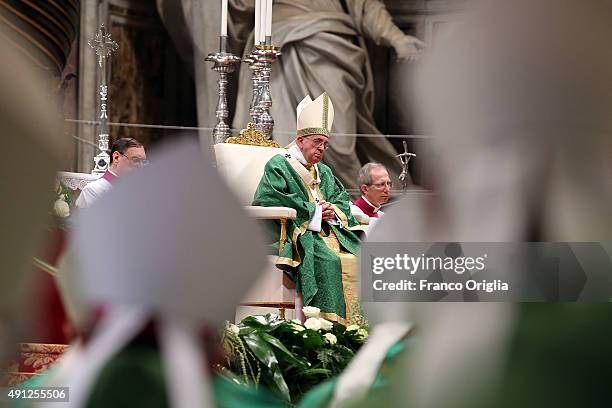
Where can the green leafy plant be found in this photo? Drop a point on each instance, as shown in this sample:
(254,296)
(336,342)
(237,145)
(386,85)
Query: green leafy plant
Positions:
(288,357)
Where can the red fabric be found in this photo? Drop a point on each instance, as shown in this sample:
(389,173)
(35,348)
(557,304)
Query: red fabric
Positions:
(366,208)
(50,323)
(110,177)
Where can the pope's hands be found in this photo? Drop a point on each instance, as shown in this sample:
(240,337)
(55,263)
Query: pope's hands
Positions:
(328,211)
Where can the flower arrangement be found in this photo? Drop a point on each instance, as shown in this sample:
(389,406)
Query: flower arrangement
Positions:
(287,356)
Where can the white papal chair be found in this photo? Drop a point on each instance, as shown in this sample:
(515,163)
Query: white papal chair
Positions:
(241,161)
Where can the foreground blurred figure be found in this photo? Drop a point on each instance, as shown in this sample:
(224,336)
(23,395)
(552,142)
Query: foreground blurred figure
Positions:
(32,146)
(520,97)
(144,312)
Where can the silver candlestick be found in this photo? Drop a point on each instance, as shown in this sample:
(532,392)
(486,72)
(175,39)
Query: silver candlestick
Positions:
(103,46)
(266,55)
(255,67)
(224,63)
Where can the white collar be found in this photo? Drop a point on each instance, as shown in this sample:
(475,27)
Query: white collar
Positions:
(370,204)
(295,151)
(112,172)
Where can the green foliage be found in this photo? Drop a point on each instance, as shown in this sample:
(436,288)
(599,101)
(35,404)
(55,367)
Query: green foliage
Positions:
(334,358)
(356,317)
(285,356)
(62,193)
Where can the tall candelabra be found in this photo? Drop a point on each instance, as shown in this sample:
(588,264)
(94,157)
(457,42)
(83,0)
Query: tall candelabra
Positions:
(255,67)
(224,63)
(264,55)
(103,46)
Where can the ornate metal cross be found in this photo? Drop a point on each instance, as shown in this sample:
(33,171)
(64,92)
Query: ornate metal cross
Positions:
(405,158)
(103,46)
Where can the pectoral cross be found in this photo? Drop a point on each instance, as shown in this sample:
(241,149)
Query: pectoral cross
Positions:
(405,158)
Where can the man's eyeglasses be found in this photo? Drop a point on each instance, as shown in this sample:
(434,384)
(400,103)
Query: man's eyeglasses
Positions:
(383,184)
(318,142)
(136,161)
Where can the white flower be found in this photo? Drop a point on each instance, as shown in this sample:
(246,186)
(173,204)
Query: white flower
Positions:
(312,323)
(331,339)
(297,327)
(233,328)
(362,332)
(325,324)
(61,208)
(311,311)
(352,327)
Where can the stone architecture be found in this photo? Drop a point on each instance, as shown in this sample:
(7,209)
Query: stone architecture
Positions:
(144,95)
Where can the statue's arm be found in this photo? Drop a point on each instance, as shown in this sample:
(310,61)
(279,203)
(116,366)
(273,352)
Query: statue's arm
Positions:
(375,22)
(247,6)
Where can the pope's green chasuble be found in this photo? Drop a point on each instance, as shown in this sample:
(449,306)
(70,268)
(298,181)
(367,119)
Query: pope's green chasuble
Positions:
(323,264)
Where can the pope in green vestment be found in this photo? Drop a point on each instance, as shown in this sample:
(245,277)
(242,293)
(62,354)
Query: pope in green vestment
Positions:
(320,247)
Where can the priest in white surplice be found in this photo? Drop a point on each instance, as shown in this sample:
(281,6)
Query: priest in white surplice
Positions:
(127,154)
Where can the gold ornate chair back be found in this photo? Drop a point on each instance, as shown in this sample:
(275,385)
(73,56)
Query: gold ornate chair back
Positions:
(251,136)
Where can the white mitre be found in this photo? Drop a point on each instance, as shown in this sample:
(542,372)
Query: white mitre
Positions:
(169,234)
(315,117)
